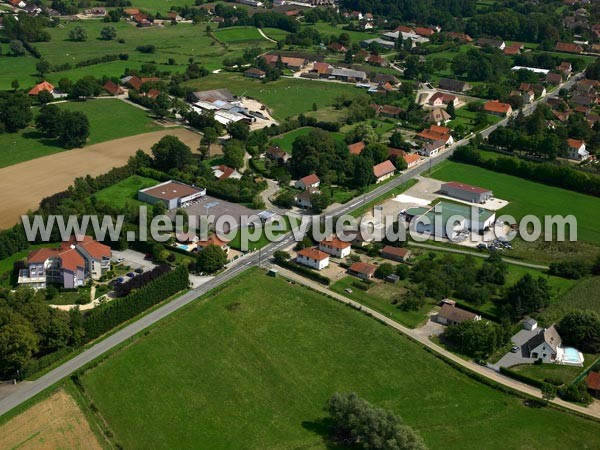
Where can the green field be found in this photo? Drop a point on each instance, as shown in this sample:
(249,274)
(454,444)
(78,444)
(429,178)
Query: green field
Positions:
(527,197)
(355,36)
(584,295)
(275,33)
(242,369)
(109,119)
(179,42)
(285,97)
(238,34)
(286,140)
(125,191)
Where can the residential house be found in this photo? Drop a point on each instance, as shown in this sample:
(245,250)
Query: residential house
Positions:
(544,345)
(437,116)
(585,99)
(424,32)
(213,240)
(277,154)
(43,86)
(304,198)
(391,111)
(436,133)
(576,150)
(461,37)
(432,148)
(398,254)
(113,88)
(312,257)
(453,315)
(253,72)
(356,148)
(309,181)
(376,60)
(441,99)
(565,68)
(411,159)
(485,42)
(511,51)
(383,171)
(96,256)
(567,47)
(362,270)
(497,108)
(335,247)
(538,89)
(337,47)
(554,79)
(287,61)
(224,172)
(449,84)
(386,78)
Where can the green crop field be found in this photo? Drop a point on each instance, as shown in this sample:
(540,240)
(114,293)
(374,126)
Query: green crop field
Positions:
(285,97)
(286,140)
(125,191)
(275,33)
(355,36)
(179,42)
(584,295)
(109,119)
(527,197)
(241,369)
(238,34)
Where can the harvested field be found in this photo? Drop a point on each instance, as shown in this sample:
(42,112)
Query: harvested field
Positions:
(56,422)
(23,186)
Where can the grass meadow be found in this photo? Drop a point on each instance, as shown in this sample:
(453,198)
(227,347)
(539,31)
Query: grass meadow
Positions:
(252,365)
(527,197)
(125,191)
(286,140)
(109,119)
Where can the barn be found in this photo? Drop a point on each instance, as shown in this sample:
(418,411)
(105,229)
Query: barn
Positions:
(173,194)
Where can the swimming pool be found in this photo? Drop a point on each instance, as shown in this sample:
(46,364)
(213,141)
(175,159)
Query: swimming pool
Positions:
(183,247)
(572,356)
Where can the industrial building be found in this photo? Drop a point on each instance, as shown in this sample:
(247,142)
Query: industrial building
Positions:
(448,220)
(173,194)
(466,192)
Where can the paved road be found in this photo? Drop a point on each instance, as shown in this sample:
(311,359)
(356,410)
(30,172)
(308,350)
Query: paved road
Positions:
(26,391)
(425,341)
(477,254)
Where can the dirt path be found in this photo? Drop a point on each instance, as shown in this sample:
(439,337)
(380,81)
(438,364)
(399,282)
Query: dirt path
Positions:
(56,422)
(24,185)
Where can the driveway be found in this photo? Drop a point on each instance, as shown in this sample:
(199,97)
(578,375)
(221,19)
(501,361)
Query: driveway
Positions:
(522,355)
(133,259)
(431,328)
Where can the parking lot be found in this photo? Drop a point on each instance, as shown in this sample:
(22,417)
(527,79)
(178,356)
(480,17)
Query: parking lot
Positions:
(133,259)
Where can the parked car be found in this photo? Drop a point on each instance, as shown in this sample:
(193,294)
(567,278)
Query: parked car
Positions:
(119,280)
(139,270)
(514,349)
(130,274)
(120,259)
(482,246)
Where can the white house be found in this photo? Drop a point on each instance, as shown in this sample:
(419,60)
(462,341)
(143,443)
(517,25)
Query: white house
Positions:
(544,345)
(313,257)
(309,181)
(576,150)
(335,247)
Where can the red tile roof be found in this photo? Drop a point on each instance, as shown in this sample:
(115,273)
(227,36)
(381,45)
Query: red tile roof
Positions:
(568,48)
(41,255)
(213,239)
(335,242)
(310,179)
(313,253)
(411,158)
(497,107)
(395,251)
(356,148)
(43,86)
(112,88)
(511,51)
(593,381)
(383,168)
(574,143)
(71,260)
(363,268)
(426,32)
(95,248)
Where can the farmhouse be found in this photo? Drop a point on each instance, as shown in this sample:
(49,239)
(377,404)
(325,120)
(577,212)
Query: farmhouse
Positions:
(275,153)
(113,88)
(466,192)
(399,254)
(447,220)
(69,265)
(173,194)
(313,258)
(383,171)
(287,61)
(485,42)
(335,247)
(255,73)
(568,47)
(362,270)
(453,315)
(448,84)
(43,86)
(309,181)
(497,108)
(348,75)
(225,107)
(462,37)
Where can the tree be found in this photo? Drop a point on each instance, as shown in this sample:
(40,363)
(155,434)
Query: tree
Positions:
(281,256)
(78,34)
(384,270)
(450,109)
(238,130)
(319,202)
(161,105)
(358,423)
(84,88)
(363,172)
(18,341)
(526,296)
(581,329)
(211,259)
(285,199)
(397,140)
(43,67)
(108,33)
(233,154)
(44,97)
(15,85)
(170,153)
(548,392)
(474,337)
(15,111)
(16,48)
(48,120)
(74,129)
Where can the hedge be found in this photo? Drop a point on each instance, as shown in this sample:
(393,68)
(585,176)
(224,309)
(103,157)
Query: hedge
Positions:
(106,317)
(34,366)
(305,271)
(520,377)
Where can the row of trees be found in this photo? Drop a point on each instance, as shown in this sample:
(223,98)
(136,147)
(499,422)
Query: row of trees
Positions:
(70,128)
